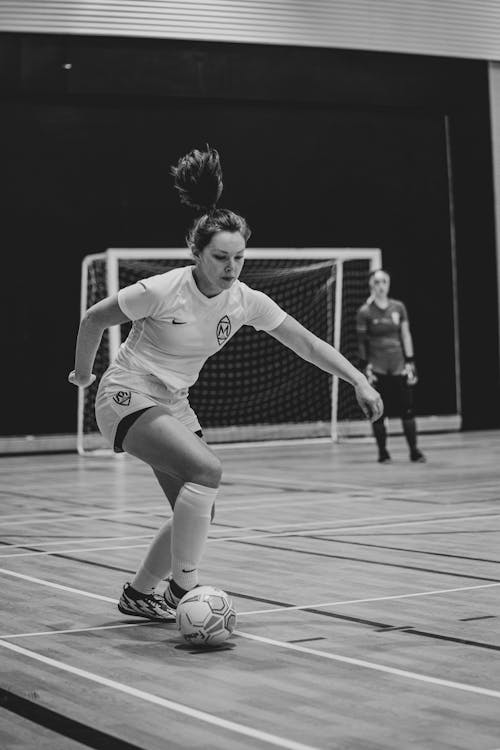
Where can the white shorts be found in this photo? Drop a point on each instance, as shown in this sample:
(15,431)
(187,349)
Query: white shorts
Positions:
(121,394)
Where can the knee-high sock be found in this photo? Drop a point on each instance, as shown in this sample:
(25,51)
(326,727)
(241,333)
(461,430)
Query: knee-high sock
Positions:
(410,431)
(380,433)
(158,561)
(189,531)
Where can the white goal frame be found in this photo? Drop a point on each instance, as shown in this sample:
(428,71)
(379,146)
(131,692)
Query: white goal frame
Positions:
(113,256)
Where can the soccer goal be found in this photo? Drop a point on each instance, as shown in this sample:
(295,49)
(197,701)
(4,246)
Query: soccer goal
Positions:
(253,389)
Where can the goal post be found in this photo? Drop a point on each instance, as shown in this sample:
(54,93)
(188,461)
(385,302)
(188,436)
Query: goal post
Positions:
(254,389)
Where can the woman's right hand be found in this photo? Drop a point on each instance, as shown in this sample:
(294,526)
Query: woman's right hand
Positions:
(369,400)
(81,381)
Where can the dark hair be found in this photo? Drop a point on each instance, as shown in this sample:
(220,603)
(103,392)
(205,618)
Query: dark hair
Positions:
(198,178)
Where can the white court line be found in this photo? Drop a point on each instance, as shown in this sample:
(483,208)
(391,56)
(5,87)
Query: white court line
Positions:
(357,528)
(392,516)
(57,585)
(326,485)
(240,728)
(85,630)
(371,665)
(48,552)
(260,535)
(81,516)
(192,713)
(407,516)
(226,505)
(363,601)
(81,592)
(82,540)
(254,612)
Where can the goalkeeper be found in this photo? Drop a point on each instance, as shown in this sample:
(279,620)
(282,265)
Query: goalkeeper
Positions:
(386,357)
(180,318)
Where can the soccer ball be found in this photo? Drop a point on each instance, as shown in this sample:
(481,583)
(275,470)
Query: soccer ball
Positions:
(206,616)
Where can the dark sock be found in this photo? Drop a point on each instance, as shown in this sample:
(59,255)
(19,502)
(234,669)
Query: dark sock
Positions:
(135,593)
(176,590)
(380,435)
(410,431)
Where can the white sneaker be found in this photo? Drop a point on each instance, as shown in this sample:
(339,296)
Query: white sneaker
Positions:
(150,606)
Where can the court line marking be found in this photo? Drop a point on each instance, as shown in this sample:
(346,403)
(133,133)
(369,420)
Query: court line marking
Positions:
(84,630)
(358,528)
(82,540)
(240,728)
(48,552)
(265,535)
(372,665)
(77,516)
(326,485)
(371,599)
(253,612)
(193,713)
(81,592)
(411,517)
(59,586)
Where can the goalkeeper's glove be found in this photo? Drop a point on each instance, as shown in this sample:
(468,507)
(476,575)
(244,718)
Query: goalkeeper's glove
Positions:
(367,370)
(410,371)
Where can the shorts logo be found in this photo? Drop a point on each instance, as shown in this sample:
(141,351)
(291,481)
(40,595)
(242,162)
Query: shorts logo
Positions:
(122,398)
(223,330)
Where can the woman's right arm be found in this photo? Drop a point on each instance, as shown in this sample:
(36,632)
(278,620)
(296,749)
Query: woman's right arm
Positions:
(100,316)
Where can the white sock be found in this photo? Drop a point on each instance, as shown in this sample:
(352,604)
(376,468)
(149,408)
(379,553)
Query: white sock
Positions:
(158,561)
(189,531)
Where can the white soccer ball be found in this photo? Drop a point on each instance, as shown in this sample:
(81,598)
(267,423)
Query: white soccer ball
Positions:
(206,616)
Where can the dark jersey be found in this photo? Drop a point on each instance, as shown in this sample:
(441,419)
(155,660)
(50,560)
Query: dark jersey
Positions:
(380,332)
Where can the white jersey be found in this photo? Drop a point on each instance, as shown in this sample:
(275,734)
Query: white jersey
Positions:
(176,328)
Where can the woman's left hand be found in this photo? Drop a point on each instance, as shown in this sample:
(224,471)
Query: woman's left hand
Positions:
(81,382)
(369,400)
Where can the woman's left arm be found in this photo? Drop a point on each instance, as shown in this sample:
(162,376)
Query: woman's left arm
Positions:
(308,346)
(406,339)
(410,369)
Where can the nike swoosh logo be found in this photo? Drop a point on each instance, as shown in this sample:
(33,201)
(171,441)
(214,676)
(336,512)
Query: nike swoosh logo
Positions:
(179,322)
(188,571)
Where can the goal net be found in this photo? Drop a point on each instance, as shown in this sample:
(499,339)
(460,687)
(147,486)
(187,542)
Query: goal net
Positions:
(254,388)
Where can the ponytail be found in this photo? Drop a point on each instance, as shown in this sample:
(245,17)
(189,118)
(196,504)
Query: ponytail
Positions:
(198,179)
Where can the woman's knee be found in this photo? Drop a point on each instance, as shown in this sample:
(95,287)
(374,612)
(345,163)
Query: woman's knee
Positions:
(207,472)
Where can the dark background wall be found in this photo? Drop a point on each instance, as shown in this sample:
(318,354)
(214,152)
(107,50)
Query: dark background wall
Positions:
(320,148)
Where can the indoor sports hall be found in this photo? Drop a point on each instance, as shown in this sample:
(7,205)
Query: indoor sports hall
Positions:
(353,137)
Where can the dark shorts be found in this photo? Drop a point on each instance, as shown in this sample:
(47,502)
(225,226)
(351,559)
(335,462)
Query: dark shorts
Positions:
(126,423)
(396,394)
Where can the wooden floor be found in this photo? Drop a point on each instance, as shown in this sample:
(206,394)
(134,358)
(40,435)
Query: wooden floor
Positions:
(367,599)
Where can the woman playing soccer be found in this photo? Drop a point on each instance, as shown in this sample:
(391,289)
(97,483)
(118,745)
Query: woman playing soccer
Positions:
(180,318)
(386,354)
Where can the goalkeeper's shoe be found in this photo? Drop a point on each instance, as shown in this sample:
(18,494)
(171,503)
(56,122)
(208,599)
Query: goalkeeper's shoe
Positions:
(384,457)
(417,456)
(150,606)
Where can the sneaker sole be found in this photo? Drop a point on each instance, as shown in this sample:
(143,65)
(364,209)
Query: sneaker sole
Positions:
(145,616)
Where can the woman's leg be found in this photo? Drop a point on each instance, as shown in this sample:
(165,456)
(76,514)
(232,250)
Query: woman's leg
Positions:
(378,427)
(189,473)
(408,421)
(157,564)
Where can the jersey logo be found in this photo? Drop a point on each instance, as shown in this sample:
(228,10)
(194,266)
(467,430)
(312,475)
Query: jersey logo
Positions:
(223,330)
(395,317)
(122,398)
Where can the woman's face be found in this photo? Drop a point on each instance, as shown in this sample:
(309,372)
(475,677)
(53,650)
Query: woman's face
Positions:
(379,284)
(220,262)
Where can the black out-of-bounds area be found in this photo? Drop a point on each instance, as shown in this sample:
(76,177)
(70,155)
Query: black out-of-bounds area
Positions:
(320,148)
